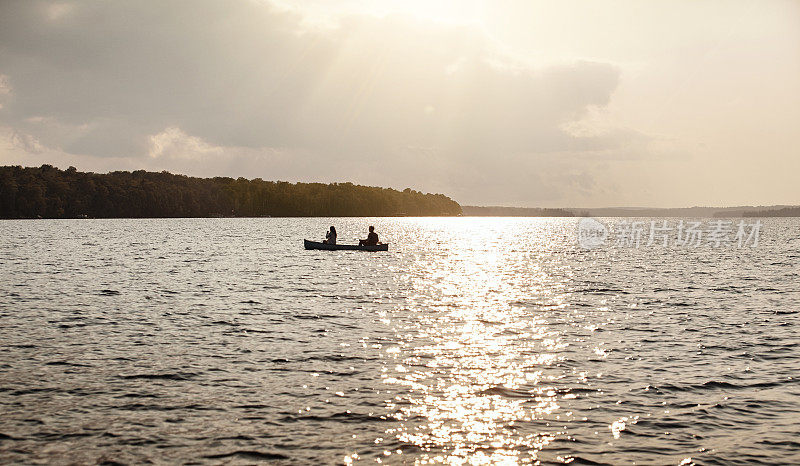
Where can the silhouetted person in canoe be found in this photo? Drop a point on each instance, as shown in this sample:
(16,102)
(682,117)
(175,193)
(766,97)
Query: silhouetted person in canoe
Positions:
(372,238)
(330,236)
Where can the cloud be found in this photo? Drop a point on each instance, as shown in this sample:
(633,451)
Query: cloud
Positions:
(253,89)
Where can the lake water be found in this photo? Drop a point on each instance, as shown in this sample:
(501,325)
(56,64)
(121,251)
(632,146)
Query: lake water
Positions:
(473,340)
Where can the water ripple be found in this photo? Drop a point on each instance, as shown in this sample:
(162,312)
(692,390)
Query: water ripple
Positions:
(473,341)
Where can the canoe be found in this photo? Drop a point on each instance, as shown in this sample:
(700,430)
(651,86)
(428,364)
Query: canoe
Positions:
(343,247)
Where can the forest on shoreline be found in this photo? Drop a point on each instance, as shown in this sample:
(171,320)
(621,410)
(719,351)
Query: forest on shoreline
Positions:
(48,192)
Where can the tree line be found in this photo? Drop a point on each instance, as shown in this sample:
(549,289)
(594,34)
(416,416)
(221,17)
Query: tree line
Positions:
(48,192)
(784,212)
(500,211)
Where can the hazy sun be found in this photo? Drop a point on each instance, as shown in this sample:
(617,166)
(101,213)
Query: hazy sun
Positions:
(451,11)
(445,11)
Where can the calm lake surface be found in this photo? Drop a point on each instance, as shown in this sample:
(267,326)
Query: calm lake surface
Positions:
(473,340)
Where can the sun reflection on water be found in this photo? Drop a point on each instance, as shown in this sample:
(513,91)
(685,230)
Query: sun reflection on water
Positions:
(468,371)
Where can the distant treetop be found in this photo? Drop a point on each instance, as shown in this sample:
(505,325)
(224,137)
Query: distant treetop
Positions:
(47,192)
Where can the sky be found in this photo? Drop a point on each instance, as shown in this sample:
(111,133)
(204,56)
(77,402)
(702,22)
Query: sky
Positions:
(498,102)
